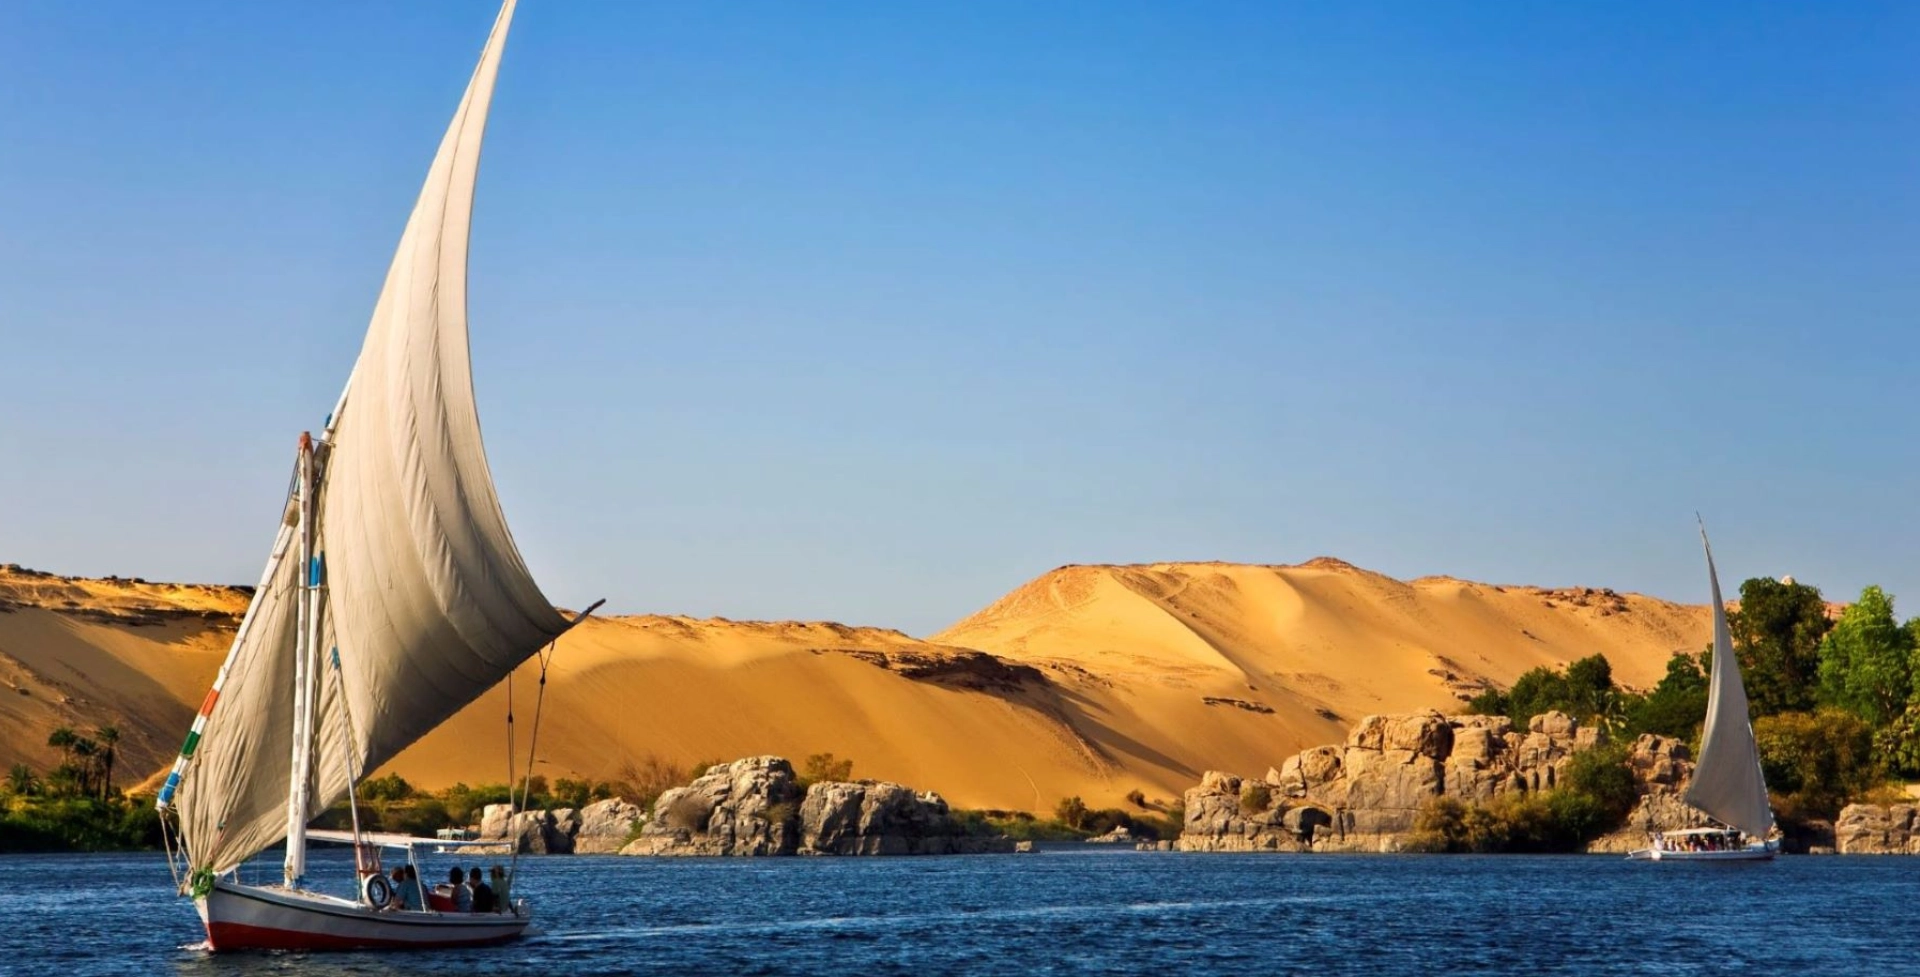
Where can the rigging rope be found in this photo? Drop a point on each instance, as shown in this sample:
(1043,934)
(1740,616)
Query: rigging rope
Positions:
(533,743)
(353,767)
(166,840)
(510,749)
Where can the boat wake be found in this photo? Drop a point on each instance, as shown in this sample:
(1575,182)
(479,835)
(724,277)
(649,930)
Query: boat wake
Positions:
(890,921)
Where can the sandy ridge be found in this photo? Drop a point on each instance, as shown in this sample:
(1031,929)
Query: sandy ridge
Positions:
(1089,680)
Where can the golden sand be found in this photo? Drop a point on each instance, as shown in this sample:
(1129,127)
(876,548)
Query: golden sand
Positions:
(1108,679)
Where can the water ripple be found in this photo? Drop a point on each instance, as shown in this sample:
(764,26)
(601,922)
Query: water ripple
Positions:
(1059,913)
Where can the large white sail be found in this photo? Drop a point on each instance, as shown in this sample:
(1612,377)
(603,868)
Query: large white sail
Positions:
(1727,783)
(427,602)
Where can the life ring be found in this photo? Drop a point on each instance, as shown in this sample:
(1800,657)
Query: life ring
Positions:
(376,890)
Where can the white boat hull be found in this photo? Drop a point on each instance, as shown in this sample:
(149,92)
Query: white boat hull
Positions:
(1753,853)
(243,917)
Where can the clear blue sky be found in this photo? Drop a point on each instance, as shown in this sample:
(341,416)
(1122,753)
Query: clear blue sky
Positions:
(872,313)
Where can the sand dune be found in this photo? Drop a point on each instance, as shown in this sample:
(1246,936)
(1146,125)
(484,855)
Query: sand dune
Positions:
(682,689)
(88,653)
(1234,667)
(1095,681)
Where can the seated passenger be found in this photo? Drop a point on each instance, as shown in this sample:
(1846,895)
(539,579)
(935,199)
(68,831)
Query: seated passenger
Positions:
(416,890)
(482,893)
(501,903)
(458,891)
(403,897)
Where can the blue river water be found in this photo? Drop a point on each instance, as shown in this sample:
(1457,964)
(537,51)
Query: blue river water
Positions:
(1063,911)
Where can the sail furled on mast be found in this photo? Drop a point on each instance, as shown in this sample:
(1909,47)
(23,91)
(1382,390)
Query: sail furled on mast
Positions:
(427,601)
(1727,783)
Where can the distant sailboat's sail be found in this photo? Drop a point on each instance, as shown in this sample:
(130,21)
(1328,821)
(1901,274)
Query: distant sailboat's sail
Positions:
(428,603)
(1727,783)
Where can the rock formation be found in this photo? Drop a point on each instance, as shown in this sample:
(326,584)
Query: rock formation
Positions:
(1876,829)
(747,807)
(1365,795)
(597,829)
(530,832)
(877,818)
(1662,766)
(756,806)
(605,826)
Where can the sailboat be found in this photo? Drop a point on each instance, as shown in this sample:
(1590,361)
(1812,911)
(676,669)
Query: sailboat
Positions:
(1728,785)
(393,596)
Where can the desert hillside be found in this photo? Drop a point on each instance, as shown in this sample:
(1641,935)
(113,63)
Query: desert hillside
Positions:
(1185,666)
(1092,680)
(123,652)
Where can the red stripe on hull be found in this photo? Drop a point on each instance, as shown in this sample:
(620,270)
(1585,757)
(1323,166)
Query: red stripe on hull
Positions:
(240,936)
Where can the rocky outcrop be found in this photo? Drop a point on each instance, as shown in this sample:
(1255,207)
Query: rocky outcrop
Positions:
(530,832)
(747,807)
(756,806)
(879,818)
(1366,794)
(1662,765)
(956,668)
(606,826)
(599,828)
(1878,829)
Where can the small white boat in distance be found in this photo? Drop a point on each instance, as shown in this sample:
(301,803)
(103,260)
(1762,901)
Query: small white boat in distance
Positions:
(1728,785)
(1704,845)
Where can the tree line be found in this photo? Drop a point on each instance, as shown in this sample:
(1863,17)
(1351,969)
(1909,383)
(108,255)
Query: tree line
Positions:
(85,769)
(1835,701)
(74,806)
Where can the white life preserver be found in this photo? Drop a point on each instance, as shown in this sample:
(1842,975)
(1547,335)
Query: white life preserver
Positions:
(377,891)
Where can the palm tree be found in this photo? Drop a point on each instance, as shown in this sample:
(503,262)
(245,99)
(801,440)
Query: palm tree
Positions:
(109,735)
(86,751)
(20,780)
(62,739)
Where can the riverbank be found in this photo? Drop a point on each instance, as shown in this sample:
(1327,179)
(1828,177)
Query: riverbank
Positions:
(70,824)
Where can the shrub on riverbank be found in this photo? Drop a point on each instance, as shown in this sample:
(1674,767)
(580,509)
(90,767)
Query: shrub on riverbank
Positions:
(1022,826)
(1516,822)
(1593,798)
(43,824)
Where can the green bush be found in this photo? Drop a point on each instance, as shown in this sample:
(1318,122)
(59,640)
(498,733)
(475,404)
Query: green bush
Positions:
(1897,745)
(465,804)
(388,788)
(420,817)
(1815,762)
(1439,828)
(1162,827)
(1017,825)
(1603,776)
(1677,706)
(79,824)
(571,793)
(643,781)
(1584,690)
(1072,812)
(1561,820)
(1021,826)
(823,767)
